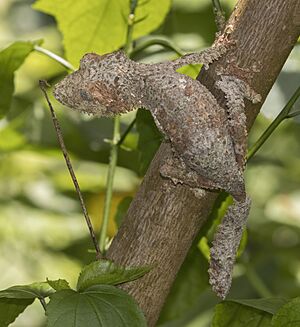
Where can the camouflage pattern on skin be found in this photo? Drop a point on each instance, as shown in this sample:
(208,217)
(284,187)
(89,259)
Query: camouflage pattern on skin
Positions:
(208,141)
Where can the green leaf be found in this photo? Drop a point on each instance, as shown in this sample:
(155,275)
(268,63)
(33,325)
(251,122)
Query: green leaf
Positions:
(149,139)
(154,12)
(100,26)
(243,243)
(231,314)
(59,284)
(270,305)
(288,315)
(101,305)
(11,308)
(32,291)
(107,272)
(190,70)
(11,58)
(14,300)
(122,209)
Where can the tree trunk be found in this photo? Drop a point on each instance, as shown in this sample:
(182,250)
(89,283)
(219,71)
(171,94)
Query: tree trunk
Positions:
(164,219)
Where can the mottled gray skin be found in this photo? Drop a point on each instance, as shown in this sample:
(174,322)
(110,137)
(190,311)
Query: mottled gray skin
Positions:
(208,147)
(184,111)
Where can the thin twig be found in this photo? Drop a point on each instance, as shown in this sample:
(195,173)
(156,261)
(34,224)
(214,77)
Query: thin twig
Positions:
(43,86)
(54,56)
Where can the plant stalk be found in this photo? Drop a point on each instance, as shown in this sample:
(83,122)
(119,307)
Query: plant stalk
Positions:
(284,114)
(54,56)
(115,142)
(128,129)
(257,283)
(157,41)
(109,183)
(43,303)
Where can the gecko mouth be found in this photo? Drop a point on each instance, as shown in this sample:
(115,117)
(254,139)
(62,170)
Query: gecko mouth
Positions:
(71,92)
(61,92)
(66,91)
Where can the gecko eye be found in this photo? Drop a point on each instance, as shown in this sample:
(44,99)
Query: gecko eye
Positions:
(86,96)
(88,59)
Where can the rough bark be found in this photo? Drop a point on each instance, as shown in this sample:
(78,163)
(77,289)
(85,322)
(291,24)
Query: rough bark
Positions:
(164,219)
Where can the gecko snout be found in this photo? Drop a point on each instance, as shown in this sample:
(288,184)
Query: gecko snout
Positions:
(66,91)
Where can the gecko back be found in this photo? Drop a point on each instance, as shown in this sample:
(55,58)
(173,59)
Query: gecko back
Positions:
(191,119)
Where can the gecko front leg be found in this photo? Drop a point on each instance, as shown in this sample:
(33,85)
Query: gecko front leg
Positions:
(235,91)
(205,57)
(229,232)
(177,171)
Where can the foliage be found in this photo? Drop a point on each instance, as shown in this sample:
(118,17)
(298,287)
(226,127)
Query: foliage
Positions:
(288,315)
(11,59)
(109,273)
(100,305)
(95,303)
(261,312)
(15,300)
(59,284)
(105,22)
(40,224)
(11,308)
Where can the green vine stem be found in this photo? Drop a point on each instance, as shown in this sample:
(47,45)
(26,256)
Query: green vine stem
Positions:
(284,114)
(256,282)
(43,303)
(164,42)
(293,114)
(128,129)
(109,183)
(54,56)
(116,141)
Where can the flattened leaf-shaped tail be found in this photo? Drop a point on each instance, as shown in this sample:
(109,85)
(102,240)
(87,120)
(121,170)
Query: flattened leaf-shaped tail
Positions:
(225,246)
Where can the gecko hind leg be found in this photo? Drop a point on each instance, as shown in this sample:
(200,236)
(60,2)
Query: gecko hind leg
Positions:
(175,169)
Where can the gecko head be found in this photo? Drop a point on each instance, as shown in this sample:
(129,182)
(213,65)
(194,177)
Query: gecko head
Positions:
(99,87)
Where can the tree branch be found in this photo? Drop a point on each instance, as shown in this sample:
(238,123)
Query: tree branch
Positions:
(164,219)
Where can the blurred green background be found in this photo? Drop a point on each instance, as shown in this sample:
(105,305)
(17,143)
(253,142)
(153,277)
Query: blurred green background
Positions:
(42,230)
